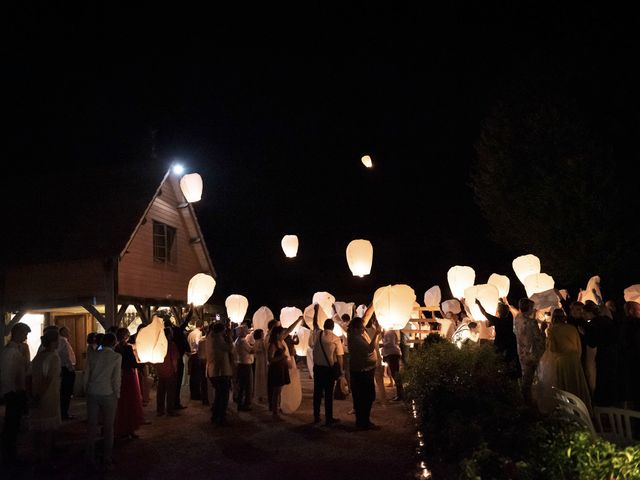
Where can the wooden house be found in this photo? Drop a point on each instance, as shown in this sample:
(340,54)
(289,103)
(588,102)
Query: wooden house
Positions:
(101,247)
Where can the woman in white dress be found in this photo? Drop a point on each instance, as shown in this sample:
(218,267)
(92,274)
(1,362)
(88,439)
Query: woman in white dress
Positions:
(260,379)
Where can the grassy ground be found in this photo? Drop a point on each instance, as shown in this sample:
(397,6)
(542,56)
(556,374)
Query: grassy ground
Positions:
(252,446)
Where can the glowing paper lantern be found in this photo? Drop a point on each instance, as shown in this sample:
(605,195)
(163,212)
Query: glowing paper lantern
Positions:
(360,310)
(501,282)
(343,308)
(459,278)
(236,307)
(432,298)
(593,284)
(488,296)
(526,265)
(546,300)
(326,301)
(151,342)
(200,289)
(337,330)
(191,186)
(360,257)
(290,245)
(288,316)
(393,305)
(366,161)
(632,294)
(451,306)
(303,340)
(261,318)
(538,282)
(415,311)
(308,317)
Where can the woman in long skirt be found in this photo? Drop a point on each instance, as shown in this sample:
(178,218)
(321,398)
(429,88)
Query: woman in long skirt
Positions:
(129,415)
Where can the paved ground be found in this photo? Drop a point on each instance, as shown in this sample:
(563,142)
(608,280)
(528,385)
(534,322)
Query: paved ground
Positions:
(252,446)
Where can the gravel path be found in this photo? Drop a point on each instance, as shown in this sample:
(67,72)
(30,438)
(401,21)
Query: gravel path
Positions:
(251,446)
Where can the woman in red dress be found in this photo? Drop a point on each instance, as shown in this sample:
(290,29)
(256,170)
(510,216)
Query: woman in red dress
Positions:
(129,415)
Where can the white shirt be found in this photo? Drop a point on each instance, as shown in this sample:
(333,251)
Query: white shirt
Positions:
(193,339)
(332,347)
(390,344)
(13,369)
(66,354)
(103,374)
(243,351)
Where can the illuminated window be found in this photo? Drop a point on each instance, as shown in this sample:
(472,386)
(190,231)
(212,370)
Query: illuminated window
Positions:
(164,243)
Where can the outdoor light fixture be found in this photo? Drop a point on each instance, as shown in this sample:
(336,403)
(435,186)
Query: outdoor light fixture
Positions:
(191,186)
(201,287)
(366,161)
(537,283)
(151,342)
(393,305)
(460,277)
(501,282)
(432,298)
(526,265)
(290,245)
(178,169)
(237,306)
(360,257)
(489,297)
(261,318)
(288,316)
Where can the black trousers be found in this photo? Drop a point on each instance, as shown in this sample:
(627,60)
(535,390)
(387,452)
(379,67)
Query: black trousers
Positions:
(194,377)
(165,395)
(179,382)
(363,390)
(394,365)
(323,384)
(15,408)
(245,384)
(67,380)
(204,382)
(222,386)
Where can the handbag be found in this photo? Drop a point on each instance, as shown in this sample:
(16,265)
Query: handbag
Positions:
(336,373)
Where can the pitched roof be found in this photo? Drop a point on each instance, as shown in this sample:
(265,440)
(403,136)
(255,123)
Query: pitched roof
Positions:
(69,215)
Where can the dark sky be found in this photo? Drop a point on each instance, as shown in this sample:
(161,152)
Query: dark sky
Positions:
(276,108)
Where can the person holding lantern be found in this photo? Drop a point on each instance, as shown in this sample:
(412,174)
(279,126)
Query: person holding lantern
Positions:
(219,350)
(530,341)
(129,415)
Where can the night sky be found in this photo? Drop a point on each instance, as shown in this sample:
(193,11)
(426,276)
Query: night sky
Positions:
(275,111)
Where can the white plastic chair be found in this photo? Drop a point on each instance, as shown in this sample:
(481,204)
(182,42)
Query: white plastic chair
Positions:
(617,427)
(575,407)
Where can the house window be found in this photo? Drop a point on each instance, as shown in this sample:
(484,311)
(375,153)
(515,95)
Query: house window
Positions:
(164,243)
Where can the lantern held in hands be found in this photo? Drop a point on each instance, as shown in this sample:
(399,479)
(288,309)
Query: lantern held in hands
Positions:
(366,161)
(360,257)
(588,294)
(237,306)
(537,283)
(326,301)
(290,245)
(460,278)
(200,289)
(343,308)
(393,305)
(451,306)
(308,317)
(432,298)
(632,294)
(488,296)
(151,342)
(526,265)
(191,186)
(501,282)
(303,340)
(261,318)
(288,316)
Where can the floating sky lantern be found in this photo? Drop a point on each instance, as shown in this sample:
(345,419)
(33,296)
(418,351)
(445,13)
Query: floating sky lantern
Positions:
(538,282)
(288,316)
(343,308)
(290,245)
(366,161)
(501,282)
(488,296)
(261,318)
(237,306)
(432,298)
(451,306)
(632,294)
(393,305)
(526,265)
(460,277)
(191,186)
(151,342)
(592,284)
(360,257)
(200,289)
(326,301)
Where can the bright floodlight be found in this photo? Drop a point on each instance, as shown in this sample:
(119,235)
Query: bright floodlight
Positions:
(178,169)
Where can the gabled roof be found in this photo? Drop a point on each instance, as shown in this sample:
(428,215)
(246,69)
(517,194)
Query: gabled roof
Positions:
(90,212)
